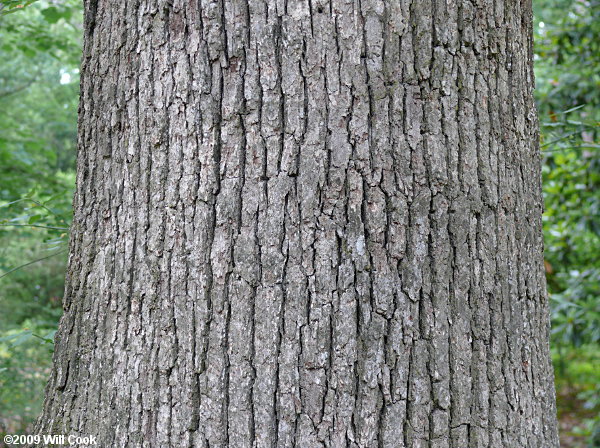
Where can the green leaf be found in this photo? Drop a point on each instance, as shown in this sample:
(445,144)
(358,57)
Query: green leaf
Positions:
(17,338)
(52,14)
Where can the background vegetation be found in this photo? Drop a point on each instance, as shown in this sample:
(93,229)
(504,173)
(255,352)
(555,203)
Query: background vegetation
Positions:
(567,66)
(40,46)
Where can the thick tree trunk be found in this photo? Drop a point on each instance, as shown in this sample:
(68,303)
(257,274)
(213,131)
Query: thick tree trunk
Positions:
(306,223)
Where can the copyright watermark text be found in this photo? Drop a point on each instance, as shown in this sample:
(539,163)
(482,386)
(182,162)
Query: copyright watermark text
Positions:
(50,439)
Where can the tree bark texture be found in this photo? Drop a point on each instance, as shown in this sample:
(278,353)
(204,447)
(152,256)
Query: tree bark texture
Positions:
(306,223)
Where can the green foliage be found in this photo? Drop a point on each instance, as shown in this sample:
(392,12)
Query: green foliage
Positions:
(30,306)
(567,49)
(567,78)
(39,72)
(11,6)
(24,367)
(577,379)
(38,98)
(568,96)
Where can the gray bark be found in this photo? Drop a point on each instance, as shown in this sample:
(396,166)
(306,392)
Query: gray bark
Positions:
(306,224)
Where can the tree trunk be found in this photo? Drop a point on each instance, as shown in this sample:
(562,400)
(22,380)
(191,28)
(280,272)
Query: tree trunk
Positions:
(306,224)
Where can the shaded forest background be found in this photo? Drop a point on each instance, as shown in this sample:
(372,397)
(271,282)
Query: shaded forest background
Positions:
(40,47)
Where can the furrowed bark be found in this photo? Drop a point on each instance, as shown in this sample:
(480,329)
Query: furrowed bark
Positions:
(310,224)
